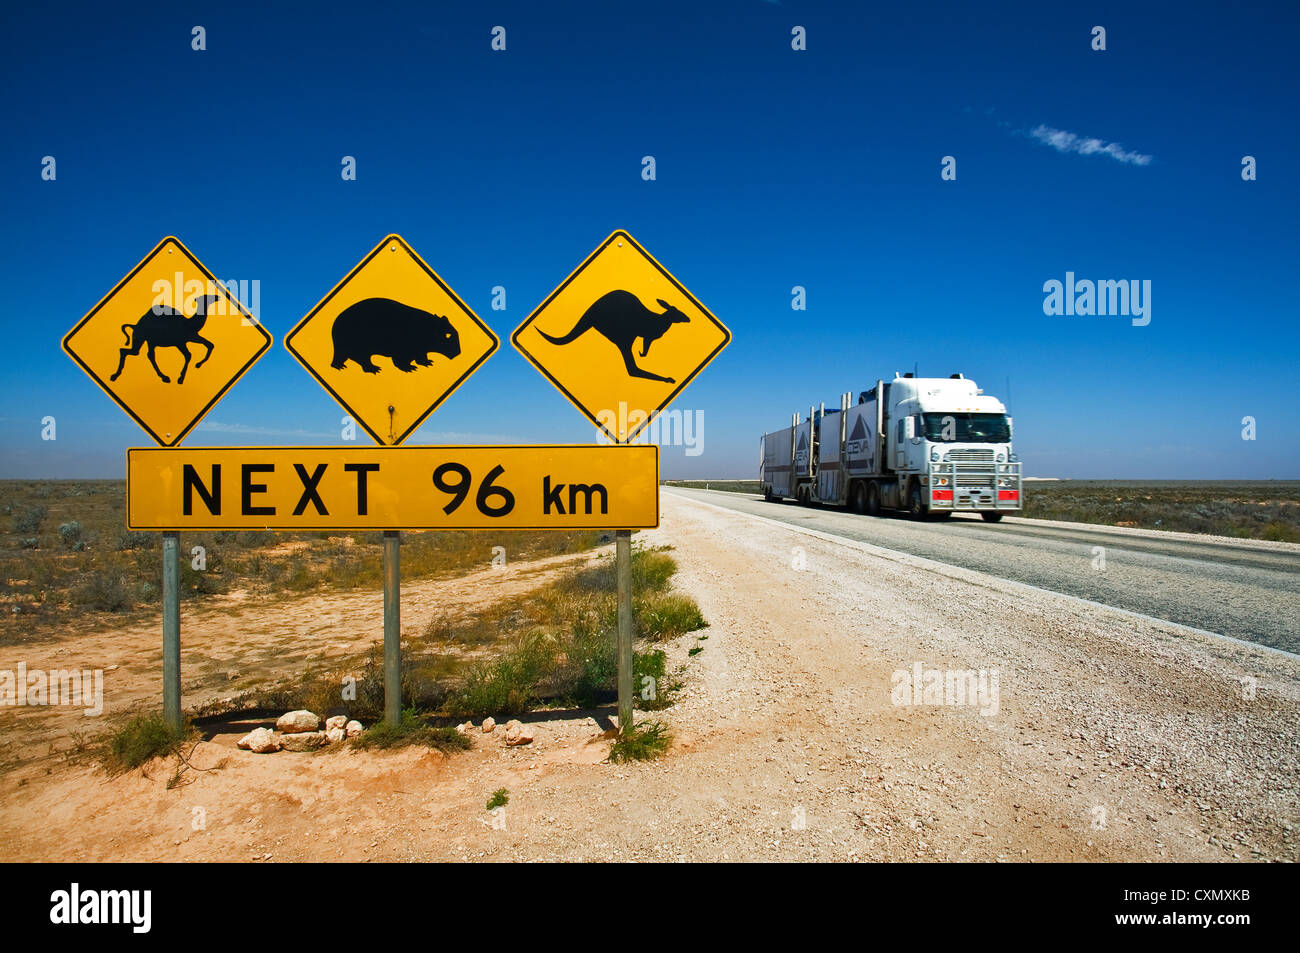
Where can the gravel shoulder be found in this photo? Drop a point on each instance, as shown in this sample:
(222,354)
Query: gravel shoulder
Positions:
(1114,738)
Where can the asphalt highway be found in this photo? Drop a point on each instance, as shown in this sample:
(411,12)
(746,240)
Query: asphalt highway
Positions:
(1238,588)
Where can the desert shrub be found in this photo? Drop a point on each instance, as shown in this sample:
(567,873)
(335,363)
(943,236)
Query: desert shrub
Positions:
(70,533)
(644,742)
(662,691)
(104,591)
(413,730)
(29,517)
(667,616)
(508,684)
(143,737)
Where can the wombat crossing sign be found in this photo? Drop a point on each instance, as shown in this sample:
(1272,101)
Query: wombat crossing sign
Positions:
(391,341)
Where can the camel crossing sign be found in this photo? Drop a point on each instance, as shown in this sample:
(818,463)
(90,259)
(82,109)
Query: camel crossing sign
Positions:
(621,337)
(391,341)
(167,342)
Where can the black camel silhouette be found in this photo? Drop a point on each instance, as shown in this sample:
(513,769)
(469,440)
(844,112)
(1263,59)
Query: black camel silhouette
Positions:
(166,327)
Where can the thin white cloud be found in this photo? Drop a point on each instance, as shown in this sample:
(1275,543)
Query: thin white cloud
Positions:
(1067,142)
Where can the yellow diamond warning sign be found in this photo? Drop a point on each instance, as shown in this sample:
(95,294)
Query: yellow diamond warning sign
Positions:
(167,342)
(621,337)
(391,341)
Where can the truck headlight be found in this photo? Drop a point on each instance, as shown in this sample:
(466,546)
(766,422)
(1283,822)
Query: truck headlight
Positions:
(934,454)
(1002,456)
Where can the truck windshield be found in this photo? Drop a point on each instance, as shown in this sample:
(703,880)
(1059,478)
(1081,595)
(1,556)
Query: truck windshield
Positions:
(966,428)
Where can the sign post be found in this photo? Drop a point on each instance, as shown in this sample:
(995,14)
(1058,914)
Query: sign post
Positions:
(392,627)
(171,618)
(623,572)
(139,345)
(583,338)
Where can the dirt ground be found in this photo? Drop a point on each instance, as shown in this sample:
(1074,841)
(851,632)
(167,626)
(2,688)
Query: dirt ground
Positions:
(1114,738)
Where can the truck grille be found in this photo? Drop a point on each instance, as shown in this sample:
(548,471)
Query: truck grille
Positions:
(972,467)
(971,457)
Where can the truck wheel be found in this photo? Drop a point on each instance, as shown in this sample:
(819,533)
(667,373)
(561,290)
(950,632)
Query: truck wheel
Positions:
(873,500)
(991,517)
(915,506)
(858,502)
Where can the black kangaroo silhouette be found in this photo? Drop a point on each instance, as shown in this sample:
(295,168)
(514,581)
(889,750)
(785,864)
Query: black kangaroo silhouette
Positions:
(621,318)
(383,326)
(166,327)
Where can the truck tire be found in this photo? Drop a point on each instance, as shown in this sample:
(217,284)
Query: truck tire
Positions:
(858,499)
(916,507)
(991,517)
(873,499)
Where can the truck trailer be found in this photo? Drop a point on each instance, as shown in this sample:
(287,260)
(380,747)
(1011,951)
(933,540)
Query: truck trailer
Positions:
(928,445)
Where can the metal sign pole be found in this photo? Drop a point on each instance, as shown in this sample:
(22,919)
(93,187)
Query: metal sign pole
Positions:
(392,627)
(623,568)
(171,629)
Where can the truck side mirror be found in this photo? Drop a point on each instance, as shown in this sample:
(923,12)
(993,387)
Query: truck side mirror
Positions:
(1011,430)
(909,428)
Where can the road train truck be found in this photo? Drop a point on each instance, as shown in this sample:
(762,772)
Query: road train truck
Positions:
(928,445)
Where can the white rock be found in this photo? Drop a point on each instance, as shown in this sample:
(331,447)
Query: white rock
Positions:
(336,721)
(335,735)
(465,727)
(353,728)
(260,741)
(488,725)
(517,734)
(303,740)
(294,722)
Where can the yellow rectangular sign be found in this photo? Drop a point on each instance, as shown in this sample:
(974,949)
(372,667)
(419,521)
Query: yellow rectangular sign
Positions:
(310,488)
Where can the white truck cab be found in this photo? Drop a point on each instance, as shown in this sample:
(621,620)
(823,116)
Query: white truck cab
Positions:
(952,443)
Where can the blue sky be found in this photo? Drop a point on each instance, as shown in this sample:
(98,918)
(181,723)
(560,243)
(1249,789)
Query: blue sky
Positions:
(775,168)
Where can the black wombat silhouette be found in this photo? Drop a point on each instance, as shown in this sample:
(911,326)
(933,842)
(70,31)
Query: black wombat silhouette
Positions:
(621,318)
(166,327)
(383,326)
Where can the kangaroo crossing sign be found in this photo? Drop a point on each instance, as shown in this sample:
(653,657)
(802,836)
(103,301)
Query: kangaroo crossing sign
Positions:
(311,488)
(391,341)
(167,342)
(621,337)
